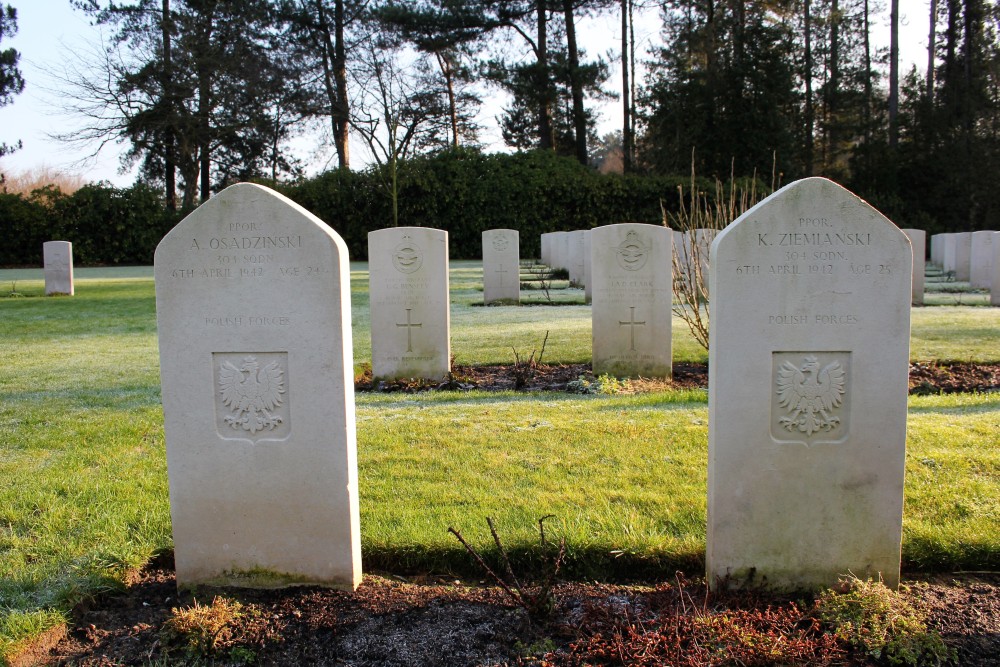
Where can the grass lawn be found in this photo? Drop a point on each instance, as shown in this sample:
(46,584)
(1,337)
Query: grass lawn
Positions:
(83,489)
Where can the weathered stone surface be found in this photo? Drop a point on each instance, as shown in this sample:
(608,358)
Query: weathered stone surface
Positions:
(807,391)
(254,318)
(631,273)
(57,259)
(501,266)
(408,293)
(918,240)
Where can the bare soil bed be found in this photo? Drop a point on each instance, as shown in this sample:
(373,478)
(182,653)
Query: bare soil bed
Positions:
(933,378)
(391,621)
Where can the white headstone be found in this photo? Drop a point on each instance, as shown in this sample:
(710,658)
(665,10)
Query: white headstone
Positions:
(808,363)
(631,314)
(995,285)
(544,253)
(588,283)
(408,293)
(948,252)
(501,266)
(937,249)
(981,266)
(577,245)
(918,240)
(963,255)
(254,315)
(57,258)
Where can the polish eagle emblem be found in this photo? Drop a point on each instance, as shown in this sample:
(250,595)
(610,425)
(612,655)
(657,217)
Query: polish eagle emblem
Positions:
(252,393)
(810,395)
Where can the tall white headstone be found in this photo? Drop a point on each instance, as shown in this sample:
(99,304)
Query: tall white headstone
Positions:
(631,314)
(501,266)
(408,293)
(253,309)
(588,266)
(918,240)
(981,260)
(808,367)
(57,258)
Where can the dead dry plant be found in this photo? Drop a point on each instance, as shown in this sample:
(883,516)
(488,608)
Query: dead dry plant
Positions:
(524,369)
(700,218)
(538,600)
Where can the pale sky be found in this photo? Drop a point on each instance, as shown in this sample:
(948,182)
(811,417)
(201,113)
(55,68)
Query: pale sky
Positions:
(49,29)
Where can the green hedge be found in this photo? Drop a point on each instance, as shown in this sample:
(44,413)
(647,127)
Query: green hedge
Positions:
(463,192)
(106,225)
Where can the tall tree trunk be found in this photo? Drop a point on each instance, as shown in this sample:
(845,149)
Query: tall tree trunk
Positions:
(343,109)
(204,76)
(546,140)
(449,80)
(576,86)
(867,116)
(931,50)
(810,112)
(893,74)
(833,89)
(169,166)
(626,91)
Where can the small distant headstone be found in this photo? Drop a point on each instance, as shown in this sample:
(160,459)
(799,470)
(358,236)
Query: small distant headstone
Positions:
(948,252)
(631,272)
(57,258)
(408,293)
(546,240)
(981,257)
(963,255)
(995,284)
(808,364)
(588,265)
(501,266)
(918,240)
(577,245)
(253,309)
(937,249)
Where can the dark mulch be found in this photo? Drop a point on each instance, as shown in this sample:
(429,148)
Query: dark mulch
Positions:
(932,378)
(390,621)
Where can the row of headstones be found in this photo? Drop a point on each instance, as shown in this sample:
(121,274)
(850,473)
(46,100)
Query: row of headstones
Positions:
(409,297)
(573,252)
(807,405)
(972,257)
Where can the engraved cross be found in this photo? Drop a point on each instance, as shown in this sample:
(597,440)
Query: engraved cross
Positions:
(501,271)
(409,330)
(631,324)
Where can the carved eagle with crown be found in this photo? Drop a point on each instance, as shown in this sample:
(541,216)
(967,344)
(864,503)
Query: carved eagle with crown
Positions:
(251,392)
(810,395)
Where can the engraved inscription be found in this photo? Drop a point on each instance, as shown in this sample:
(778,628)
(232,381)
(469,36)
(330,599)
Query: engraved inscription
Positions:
(500,242)
(251,395)
(811,395)
(500,273)
(633,252)
(407,257)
